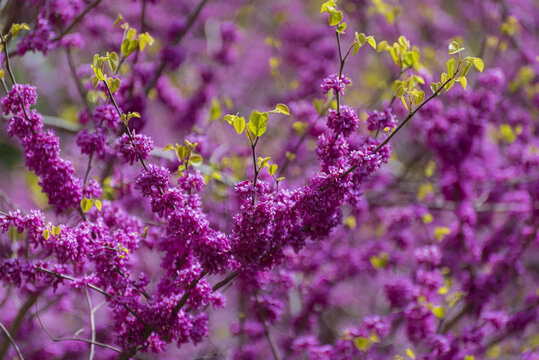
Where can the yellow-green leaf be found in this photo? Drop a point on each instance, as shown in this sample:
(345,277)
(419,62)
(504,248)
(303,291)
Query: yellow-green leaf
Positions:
(400,91)
(239,124)
(335,17)
(326,5)
(479,65)
(113,60)
(195,159)
(230,118)
(98,205)
(361,39)
(441,231)
(361,343)
(56,230)
(283,109)
(114,84)
(46,234)
(438,311)
(382,45)
(119,18)
(371,41)
(258,123)
(410,353)
(463,82)
(86,204)
(272,169)
(98,73)
(454,47)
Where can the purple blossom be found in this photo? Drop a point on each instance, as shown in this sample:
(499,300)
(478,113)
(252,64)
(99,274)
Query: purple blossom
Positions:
(333,82)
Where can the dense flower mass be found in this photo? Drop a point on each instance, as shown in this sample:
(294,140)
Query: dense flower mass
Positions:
(191,183)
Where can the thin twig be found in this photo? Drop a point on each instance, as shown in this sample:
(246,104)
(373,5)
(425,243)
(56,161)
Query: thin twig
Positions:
(261,313)
(92,323)
(106,346)
(12,341)
(17,322)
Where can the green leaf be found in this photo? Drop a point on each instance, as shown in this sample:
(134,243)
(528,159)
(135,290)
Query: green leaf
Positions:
(341,28)
(326,5)
(114,84)
(405,104)
(400,91)
(434,86)
(454,48)
(195,159)
(113,60)
(463,82)
(361,343)
(382,45)
(258,123)
(449,85)
(283,109)
(451,67)
(131,33)
(335,17)
(56,230)
(361,39)
(98,73)
(438,311)
(15,28)
(418,79)
(408,59)
(356,48)
(379,262)
(416,56)
(215,109)
(86,204)
(404,42)
(168,147)
(479,65)
(129,46)
(119,18)
(272,169)
(371,41)
(262,162)
(132,115)
(319,105)
(230,118)
(410,353)
(181,152)
(419,97)
(143,40)
(443,77)
(466,68)
(239,124)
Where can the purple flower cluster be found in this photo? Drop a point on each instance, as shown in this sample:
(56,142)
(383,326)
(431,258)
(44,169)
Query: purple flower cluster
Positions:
(345,121)
(335,83)
(141,146)
(346,251)
(41,149)
(381,120)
